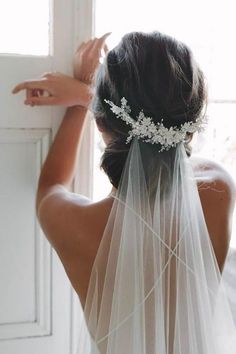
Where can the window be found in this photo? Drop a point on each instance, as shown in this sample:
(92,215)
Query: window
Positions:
(24,27)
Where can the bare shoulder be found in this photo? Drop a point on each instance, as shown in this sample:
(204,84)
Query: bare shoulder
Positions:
(65,216)
(217,194)
(213,179)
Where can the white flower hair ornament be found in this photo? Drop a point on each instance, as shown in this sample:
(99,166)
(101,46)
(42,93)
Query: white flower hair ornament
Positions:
(145,129)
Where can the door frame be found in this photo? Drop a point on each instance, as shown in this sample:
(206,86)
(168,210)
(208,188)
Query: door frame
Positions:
(84,16)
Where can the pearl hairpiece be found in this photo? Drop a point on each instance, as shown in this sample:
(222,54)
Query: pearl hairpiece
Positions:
(145,129)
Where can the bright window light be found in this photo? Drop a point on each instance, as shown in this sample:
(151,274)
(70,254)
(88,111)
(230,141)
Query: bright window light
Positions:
(24,27)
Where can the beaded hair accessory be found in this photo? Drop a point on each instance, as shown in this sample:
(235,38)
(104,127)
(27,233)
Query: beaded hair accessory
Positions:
(145,129)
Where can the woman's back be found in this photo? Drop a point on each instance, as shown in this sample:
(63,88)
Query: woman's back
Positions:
(217,195)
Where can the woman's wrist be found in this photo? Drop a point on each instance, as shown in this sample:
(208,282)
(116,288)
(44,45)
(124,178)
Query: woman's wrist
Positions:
(76,110)
(85,94)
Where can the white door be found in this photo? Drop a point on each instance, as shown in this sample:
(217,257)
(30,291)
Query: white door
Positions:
(36,300)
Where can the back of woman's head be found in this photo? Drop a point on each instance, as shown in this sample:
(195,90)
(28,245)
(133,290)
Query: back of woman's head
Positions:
(156,74)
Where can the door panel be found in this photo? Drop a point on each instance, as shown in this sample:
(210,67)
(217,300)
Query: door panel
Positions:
(25,258)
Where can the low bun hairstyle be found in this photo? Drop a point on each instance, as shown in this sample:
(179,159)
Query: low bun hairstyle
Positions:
(156,74)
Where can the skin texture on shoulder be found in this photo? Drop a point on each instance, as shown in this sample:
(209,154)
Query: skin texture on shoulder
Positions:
(217,193)
(212,176)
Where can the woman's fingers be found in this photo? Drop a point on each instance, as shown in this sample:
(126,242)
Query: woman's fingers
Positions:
(101,41)
(87,46)
(80,47)
(99,45)
(41,101)
(55,89)
(37,92)
(104,37)
(106,49)
(30,85)
(93,44)
(30,94)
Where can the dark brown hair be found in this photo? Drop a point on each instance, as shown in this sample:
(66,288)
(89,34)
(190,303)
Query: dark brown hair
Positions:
(156,74)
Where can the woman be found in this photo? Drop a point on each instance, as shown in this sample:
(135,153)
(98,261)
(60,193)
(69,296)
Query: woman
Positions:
(141,260)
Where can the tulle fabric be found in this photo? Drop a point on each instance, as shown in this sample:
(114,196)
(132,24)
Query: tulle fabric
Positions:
(155,286)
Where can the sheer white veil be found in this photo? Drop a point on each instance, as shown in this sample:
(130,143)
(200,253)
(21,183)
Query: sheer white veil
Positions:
(155,286)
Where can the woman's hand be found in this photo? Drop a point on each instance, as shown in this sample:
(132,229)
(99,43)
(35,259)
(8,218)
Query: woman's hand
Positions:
(55,89)
(86,58)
